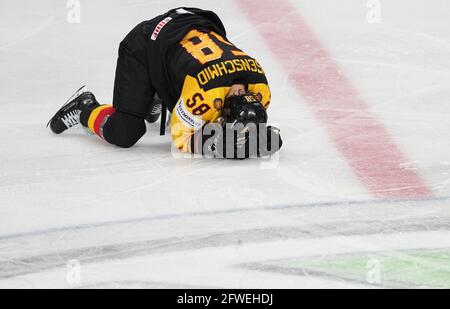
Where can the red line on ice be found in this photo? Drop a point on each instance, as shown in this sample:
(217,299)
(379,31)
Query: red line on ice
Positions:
(360,137)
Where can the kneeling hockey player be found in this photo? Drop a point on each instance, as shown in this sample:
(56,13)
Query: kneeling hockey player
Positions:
(181,61)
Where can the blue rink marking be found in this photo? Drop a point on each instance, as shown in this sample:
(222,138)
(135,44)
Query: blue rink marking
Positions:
(217,212)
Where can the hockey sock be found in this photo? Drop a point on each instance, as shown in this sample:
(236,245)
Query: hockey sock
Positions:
(96,118)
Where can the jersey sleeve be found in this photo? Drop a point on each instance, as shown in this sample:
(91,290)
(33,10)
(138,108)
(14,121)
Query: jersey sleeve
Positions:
(262,90)
(193,110)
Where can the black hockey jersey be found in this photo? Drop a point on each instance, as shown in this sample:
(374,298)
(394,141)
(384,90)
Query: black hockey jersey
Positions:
(171,60)
(192,65)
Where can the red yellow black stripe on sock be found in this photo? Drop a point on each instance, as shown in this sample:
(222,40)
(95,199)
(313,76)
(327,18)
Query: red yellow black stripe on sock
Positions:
(98,118)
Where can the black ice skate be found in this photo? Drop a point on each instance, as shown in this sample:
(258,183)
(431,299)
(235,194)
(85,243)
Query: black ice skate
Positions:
(155,109)
(69,114)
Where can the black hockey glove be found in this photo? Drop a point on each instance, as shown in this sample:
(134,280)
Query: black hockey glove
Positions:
(240,142)
(242,133)
(269,143)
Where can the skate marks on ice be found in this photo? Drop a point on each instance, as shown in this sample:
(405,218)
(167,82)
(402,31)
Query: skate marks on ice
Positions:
(425,268)
(284,244)
(29,33)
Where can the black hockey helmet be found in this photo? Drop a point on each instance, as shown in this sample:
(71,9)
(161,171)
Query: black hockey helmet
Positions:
(244,109)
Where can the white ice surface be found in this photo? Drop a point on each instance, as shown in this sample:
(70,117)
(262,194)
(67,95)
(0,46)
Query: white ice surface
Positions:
(143,218)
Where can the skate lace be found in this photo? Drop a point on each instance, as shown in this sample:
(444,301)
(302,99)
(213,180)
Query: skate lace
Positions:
(156,109)
(72,118)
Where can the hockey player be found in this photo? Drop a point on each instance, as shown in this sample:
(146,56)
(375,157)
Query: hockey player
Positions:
(181,61)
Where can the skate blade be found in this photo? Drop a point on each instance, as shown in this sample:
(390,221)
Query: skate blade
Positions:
(75,95)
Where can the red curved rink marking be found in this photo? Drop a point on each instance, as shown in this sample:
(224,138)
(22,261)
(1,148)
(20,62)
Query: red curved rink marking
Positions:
(356,132)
